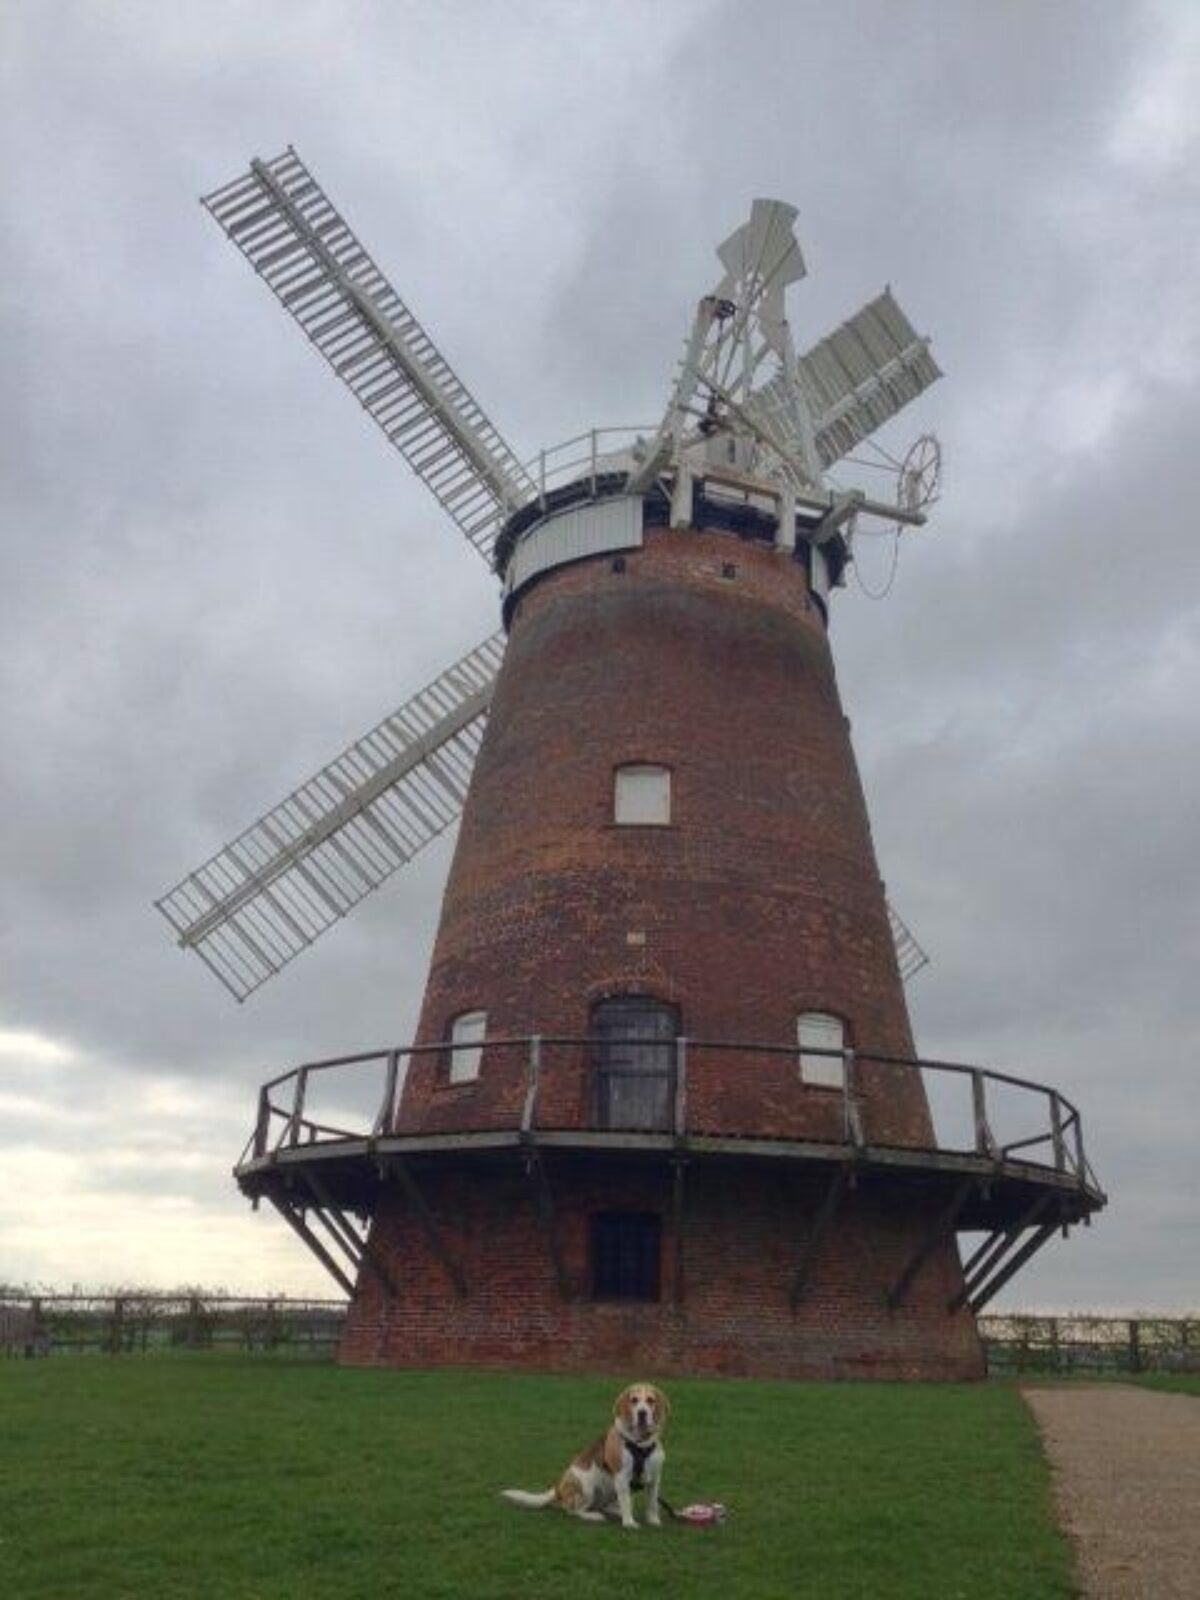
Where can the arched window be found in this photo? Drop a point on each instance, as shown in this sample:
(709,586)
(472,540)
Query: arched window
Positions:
(816,1031)
(634,1062)
(642,795)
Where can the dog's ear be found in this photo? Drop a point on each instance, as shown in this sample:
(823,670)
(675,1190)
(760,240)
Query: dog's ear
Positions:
(621,1405)
(663,1404)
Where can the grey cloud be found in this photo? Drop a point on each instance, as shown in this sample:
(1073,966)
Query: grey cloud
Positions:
(213,575)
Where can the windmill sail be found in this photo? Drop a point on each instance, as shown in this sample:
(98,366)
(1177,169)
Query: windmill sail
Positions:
(279,885)
(294,238)
(854,380)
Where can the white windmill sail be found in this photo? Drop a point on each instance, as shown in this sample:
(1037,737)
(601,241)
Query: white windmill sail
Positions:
(910,955)
(279,885)
(853,381)
(739,328)
(295,239)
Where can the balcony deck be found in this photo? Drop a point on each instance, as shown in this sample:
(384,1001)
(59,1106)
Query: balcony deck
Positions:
(1017,1184)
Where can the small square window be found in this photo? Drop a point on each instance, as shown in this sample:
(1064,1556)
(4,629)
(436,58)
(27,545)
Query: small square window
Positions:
(642,795)
(818,1030)
(626,1249)
(467,1031)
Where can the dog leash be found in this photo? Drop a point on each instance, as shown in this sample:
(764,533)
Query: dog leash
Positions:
(704,1514)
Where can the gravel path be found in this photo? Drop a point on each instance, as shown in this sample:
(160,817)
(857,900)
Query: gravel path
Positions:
(1127,1486)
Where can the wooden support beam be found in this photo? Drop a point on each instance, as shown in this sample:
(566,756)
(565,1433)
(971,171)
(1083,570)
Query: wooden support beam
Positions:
(362,1255)
(298,1223)
(400,1170)
(981,1250)
(1014,1264)
(333,1218)
(333,1228)
(994,1249)
(940,1231)
(831,1202)
(535,1168)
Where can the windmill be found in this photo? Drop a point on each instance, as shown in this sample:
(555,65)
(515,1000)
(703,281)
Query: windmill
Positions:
(665,958)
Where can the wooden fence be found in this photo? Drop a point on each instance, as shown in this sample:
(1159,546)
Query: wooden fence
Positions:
(125,1322)
(122,1322)
(1021,1343)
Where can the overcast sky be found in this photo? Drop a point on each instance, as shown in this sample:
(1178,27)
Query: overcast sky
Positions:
(214,573)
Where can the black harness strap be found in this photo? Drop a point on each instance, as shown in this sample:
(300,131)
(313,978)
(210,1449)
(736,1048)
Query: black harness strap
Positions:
(641,1453)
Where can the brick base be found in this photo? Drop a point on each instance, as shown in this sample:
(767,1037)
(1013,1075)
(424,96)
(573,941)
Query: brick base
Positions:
(744,1234)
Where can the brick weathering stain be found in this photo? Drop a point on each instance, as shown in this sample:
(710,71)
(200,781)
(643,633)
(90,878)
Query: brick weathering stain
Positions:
(758,902)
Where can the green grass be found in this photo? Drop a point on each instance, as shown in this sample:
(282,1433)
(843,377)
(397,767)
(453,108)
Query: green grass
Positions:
(1180,1382)
(205,1476)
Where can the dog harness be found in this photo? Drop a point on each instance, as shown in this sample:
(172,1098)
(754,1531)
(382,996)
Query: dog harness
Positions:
(641,1453)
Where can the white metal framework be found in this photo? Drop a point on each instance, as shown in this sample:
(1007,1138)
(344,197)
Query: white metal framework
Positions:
(276,887)
(742,402)
(294,238)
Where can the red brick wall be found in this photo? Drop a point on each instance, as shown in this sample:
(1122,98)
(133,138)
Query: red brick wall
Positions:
(761,900)
(744,1235)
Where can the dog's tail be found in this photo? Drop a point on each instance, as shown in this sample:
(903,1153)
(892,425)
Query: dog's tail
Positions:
(522,1497)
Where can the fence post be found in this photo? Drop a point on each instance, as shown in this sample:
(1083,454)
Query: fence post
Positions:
(1135,1345)
(117,1330)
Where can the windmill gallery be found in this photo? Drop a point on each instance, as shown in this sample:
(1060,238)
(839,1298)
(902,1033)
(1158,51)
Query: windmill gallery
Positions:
(663,1108)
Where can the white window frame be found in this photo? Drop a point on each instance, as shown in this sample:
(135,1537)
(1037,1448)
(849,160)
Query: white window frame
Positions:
(467,1030)
(638,802)
(821,1030)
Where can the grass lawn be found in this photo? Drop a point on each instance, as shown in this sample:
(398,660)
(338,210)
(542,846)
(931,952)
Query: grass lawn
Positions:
(208,1475)
(1182,1382)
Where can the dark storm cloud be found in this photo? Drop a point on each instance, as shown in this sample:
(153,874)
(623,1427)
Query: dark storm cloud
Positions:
(213,574)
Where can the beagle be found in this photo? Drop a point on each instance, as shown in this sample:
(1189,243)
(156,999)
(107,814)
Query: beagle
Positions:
(629,1456)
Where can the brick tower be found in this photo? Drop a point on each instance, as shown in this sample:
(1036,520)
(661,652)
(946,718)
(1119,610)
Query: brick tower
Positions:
(663,1110)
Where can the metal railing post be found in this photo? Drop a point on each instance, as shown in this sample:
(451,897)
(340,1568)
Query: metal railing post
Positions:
(983,1134)
(1056,1131)
(851,1112)
(299,1094)
(680,1107)
(533,1072)
(387,1110)
(260,1127)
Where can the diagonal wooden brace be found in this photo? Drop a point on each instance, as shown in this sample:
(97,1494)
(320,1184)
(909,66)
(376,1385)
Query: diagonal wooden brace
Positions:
(831,1202)
(358,1247)
(295,1220)
(941,1230)
(400,1170)
(544,1196)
